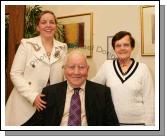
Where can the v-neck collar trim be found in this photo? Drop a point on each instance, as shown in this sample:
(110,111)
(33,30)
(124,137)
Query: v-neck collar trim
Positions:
(130,72)
(133,61)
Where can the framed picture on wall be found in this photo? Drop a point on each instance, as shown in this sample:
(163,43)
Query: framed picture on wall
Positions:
(110,51)
(147,30)
(78,32)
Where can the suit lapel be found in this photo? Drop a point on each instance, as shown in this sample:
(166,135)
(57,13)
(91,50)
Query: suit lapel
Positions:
(61,100)
(88,101)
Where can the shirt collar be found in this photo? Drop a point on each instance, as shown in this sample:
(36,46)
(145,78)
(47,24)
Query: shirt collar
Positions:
(70,88)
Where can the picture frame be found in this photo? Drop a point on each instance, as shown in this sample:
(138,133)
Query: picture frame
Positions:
(110,51)
(78,31)
(147,30)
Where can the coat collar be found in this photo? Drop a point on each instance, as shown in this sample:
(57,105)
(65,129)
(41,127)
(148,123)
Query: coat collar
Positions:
(57,52)
(39,51)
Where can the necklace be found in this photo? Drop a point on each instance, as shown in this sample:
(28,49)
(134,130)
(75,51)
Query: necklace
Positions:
(48,54)
(124,64)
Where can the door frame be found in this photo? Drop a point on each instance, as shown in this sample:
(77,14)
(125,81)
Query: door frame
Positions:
(16,33)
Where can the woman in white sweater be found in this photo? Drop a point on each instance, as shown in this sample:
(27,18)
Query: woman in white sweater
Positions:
(130,83)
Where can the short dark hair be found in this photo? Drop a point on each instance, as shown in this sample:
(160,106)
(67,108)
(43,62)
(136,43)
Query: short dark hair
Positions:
(120,35)
(42,13)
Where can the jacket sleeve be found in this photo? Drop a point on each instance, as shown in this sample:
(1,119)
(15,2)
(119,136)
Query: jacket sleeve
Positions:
(17,74)
(111,118)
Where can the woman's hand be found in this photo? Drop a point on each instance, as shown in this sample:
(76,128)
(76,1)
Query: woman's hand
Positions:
(39,103)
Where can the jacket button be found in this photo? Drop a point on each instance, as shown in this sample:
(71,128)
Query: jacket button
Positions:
(29,83)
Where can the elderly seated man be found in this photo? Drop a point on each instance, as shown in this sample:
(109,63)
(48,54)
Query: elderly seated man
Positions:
(76,101)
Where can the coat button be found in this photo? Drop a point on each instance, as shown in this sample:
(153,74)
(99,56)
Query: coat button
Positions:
(29,83)
(33,65)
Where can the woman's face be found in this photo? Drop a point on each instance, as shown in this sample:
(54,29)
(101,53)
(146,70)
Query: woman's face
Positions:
(123,48)
(47,25)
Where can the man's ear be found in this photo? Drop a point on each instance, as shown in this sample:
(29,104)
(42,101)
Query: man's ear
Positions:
(88,68)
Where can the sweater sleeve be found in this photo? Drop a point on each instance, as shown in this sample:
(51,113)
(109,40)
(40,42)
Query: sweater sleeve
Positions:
(148,97)
(100,76)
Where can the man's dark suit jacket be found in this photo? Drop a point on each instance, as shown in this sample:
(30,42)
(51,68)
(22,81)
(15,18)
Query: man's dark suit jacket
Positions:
(98,105)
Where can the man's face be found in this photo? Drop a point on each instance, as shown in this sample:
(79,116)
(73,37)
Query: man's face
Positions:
(76,70)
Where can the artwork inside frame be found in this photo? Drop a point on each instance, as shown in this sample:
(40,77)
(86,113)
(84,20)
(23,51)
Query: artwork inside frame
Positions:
(110,51)
(78,32)
(148,30)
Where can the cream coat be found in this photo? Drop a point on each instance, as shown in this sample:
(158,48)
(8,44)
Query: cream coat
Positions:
(29,73)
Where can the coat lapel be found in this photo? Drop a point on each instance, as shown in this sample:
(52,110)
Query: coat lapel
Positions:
(57,52)
(39,51)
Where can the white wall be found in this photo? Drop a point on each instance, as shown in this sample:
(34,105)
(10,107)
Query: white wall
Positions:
(108,20)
